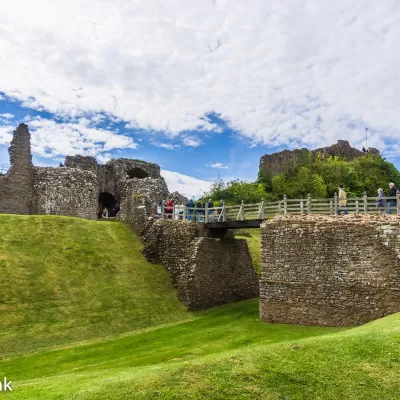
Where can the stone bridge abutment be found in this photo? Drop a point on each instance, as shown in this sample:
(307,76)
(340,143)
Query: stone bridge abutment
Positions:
(207,272)
(329,270)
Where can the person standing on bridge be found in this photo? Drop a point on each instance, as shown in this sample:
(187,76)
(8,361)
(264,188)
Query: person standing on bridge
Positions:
(170,206)
(190,209)
(380,201)
(198,211)
(392,202)
(342,201)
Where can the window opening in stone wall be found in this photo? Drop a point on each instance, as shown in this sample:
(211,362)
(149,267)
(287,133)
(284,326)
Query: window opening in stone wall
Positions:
(136,173)
(107,202)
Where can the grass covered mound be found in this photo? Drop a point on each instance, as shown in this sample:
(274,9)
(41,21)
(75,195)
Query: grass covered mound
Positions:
(225,353)
(160,360)
(67,279)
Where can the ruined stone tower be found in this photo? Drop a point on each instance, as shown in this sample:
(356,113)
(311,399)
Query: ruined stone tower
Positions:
(16,186)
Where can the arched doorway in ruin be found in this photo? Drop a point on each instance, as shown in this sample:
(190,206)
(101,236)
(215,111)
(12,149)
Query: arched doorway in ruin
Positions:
(136,173)
(107,200)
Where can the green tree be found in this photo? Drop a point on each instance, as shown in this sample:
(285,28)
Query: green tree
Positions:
(319,186)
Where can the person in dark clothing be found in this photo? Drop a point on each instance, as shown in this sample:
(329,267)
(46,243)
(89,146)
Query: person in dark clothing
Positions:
(392,202)
(198,210)
(190,205)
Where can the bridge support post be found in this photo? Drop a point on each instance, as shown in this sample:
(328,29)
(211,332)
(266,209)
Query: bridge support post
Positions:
(335,203)
(261,210)
(365,203)
(397,201)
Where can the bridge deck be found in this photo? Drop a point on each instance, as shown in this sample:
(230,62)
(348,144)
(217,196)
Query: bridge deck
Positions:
(251,215)
(234,224)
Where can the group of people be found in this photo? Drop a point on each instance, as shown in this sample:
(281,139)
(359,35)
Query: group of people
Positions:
(383,205)
(194,210)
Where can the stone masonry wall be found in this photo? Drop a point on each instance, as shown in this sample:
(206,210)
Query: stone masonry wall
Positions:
(155,190)
(221,271)
(329,270)
(65,191)
(16,184)
(206,272)
(136,212)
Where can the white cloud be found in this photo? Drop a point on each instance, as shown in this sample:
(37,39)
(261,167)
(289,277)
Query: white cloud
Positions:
(294,72)
(7,116)
(217,165)
(51,139)
(168,146)
(103,158)
(186,185)
(6,134)
(191,141)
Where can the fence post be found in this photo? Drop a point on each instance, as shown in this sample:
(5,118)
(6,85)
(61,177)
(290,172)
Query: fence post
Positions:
(261,210)
(242,210)
(397,202)
(184,212)
(335,199)
(173,211)
(206,213)
(365,203)
(163,210)
(285,204)
(357,206)
(301,207)
(309,203)
(331,207)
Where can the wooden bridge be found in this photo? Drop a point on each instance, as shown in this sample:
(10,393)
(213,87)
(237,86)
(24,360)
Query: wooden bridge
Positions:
(251,215)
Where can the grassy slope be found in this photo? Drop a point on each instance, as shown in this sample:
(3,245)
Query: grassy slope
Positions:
(162,353)
(67,279)
(226,353)
(254,243)
(75,281)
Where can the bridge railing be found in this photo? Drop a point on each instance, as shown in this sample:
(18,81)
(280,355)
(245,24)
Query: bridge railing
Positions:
(263,210)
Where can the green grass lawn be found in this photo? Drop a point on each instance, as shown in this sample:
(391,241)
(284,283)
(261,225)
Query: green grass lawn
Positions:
(66,280)
(225,353)
(84,316)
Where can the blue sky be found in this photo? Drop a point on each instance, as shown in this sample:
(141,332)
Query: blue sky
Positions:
(200,88)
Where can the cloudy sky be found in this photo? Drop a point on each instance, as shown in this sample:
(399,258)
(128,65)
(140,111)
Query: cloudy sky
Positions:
(200,87)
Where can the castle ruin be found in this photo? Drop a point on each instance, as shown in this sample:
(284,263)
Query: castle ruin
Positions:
(286,160)
(81,188)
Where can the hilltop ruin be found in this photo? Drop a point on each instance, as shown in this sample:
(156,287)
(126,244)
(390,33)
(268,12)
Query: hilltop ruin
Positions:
(283,161)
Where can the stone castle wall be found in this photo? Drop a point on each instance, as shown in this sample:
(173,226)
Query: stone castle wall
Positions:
(283,161)
(75,189)
(65,191)
(322,270)
(16,185)
(206,272)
